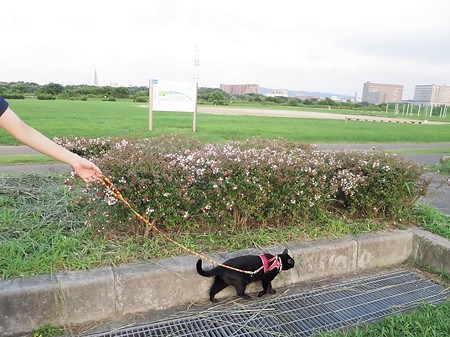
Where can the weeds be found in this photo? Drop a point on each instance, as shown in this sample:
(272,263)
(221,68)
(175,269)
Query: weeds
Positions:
(443,167)
(432,220)
(427,321)
(47,331)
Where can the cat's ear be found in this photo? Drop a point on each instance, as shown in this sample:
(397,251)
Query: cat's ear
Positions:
(285,252)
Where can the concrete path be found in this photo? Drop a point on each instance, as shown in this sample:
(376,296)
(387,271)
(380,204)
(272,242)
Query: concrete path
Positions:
(239,111)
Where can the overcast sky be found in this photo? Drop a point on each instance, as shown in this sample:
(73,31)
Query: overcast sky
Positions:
(317,45)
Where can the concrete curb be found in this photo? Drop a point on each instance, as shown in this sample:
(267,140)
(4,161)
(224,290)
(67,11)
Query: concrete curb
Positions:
(93,296)
(431,250)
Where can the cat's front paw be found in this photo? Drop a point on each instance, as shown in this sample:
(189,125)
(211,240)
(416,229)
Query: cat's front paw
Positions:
(261,293)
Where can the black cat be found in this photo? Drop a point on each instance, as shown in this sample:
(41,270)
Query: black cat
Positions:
(265,266)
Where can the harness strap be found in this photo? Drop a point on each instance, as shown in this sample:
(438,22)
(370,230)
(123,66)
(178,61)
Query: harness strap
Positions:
(269,264)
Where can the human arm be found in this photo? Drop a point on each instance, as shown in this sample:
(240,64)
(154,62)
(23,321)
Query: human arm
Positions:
(9,121)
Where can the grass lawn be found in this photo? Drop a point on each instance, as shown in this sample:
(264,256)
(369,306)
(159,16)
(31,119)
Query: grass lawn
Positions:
(26,159)
(94,119)
(427,321)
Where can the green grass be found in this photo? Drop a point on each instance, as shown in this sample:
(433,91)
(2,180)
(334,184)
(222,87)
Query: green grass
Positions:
(427,321)
(443,167)
(94,119)
(438,150)
(434,221)
(47,330)
(25,159)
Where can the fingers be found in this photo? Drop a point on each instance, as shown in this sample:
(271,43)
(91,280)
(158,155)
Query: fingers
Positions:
(92,178)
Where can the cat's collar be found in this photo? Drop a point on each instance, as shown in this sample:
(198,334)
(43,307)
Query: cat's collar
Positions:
(280,263)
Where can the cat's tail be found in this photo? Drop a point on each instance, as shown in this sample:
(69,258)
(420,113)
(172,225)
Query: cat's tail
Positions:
(206,273)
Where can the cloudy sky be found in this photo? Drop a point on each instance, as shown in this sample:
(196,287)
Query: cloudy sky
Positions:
(316,45)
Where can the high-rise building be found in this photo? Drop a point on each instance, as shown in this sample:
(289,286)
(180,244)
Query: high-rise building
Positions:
(240,89)
(377,93)
(432,94)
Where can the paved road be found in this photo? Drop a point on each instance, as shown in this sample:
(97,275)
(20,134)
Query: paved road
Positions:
(218,110)
(439,191)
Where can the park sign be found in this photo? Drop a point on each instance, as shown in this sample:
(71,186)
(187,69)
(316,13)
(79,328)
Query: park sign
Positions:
(172,96)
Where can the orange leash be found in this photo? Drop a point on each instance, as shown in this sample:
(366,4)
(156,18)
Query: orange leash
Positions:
(109,186)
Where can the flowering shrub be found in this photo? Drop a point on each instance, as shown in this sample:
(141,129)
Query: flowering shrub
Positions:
(180,184)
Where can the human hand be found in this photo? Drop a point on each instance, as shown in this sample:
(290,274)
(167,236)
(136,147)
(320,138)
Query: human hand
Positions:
(86,170)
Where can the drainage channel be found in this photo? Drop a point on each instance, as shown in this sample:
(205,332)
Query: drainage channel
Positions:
(356,301)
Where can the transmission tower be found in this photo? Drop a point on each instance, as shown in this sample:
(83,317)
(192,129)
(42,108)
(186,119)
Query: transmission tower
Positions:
(95,78)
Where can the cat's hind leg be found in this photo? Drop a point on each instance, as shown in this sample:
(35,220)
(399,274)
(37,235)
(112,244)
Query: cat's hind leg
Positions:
(217,286)
(240,290)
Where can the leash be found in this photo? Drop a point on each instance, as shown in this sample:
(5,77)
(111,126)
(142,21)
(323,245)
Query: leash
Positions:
(111,188)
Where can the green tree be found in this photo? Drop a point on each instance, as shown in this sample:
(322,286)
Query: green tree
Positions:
(53,89)
(216,96)
(328,101)
(121,92)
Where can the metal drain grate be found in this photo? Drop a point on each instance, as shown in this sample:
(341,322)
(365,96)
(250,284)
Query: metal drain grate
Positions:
(357,301)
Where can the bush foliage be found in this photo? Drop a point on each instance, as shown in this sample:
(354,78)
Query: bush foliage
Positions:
(180,184)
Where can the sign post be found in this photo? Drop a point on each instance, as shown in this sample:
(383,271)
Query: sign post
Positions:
(173,96)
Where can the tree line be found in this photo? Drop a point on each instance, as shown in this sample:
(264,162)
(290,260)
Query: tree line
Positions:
(19,90)
(50,91)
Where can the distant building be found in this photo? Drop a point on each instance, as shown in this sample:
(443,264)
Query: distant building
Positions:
(377,93)
(240,89)
(432,94)
(279,93)
(310,97)
(335,98)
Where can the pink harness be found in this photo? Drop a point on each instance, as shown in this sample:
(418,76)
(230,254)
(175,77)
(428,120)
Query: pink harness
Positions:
(268,265)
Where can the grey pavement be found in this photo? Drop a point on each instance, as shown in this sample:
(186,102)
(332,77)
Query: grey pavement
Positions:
(221,110)
(11,150)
